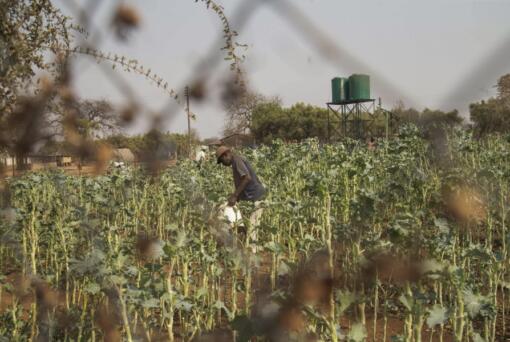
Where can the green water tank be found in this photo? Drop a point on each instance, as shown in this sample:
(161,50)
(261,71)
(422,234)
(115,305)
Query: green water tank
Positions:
(359,87)
(340,89)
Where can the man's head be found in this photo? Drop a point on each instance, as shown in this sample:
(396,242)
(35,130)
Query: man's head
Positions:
(224,155)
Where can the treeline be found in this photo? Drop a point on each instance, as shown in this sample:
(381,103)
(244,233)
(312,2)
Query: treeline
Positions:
(493,115)
(158,145)
(266,119)
(270,120)
(154,144)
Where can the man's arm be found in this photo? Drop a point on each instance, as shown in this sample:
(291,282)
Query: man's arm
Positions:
(245,180)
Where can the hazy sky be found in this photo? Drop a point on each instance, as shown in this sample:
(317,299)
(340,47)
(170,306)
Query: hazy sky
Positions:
(435,53)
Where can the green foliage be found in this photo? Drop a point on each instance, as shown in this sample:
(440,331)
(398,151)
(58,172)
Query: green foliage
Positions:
(428,120)
(493,115)
(437,315)
(358,333)
(28,29)
(157,144)
(271,121)
(156,251)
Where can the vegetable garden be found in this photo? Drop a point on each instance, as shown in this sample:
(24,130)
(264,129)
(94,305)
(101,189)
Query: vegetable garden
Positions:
(351,240)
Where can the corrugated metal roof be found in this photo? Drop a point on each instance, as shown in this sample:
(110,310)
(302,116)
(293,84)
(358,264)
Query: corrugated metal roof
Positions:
(123,154)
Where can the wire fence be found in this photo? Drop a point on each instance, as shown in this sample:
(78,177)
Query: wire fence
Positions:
(86,39)
(227,46)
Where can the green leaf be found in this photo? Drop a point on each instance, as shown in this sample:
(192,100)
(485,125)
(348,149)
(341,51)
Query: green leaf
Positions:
(472,303)
(169,250)
(182,304)
(273,247)
(442,225)
(406,301)
(150,303)
(118,280)
(92,288)
(479,305)
(358,333)
(432,266)
(181,239)
(132,271)
(171,227)
(437,315)
(477,337)
(219,305)
(346,298)
(283,268)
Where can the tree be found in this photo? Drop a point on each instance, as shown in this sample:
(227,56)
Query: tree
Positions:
(301,121)
(406,115)
(28,30)
(493,115)
(91,120)
(267,121)
(240,112)
(34,37)
(503,87)
(428,120)
(97,118)
(154,144)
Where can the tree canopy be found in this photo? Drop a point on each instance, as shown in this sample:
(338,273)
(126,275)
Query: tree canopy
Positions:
(493,115)
(271,120)
(28,30)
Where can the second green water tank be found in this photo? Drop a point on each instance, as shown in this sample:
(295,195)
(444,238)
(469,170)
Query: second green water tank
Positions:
(359,87)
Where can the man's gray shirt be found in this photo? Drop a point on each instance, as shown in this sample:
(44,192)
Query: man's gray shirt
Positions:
(254,191)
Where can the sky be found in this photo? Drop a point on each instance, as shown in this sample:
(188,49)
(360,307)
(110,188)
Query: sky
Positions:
(440,54)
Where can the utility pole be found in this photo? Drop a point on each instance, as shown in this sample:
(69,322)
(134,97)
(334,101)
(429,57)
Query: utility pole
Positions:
(186,93)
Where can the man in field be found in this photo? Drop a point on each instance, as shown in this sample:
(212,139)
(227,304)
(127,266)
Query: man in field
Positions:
(247,186)
(371,145)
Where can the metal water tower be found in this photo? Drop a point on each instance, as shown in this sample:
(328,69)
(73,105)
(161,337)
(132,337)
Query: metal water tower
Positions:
(353,113)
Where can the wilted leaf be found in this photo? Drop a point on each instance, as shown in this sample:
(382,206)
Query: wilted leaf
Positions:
(478,338)
(437,315)
(283,268)
(182,304)
(346,298)
(472,302)
(181,239)
(358,333)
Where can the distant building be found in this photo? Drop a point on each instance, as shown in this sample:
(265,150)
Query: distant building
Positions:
(123,155)
(235,140)
(8,160)
(214,144)
(63,160)
(52,159)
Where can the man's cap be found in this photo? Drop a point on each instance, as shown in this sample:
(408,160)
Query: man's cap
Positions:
(221,151)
